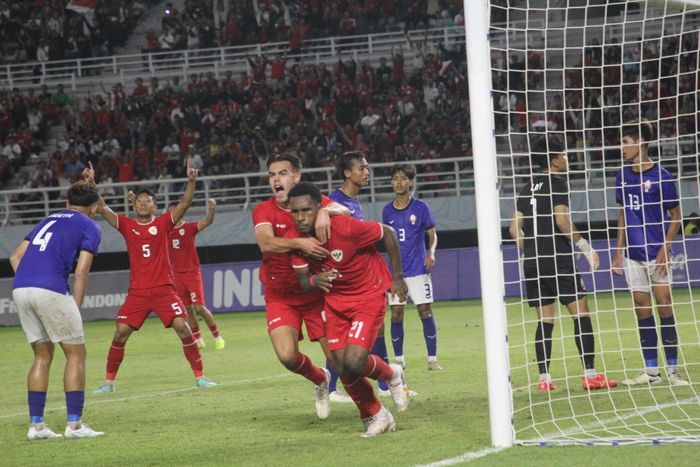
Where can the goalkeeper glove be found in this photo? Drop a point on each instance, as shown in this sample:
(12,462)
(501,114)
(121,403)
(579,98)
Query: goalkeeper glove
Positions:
(590,254)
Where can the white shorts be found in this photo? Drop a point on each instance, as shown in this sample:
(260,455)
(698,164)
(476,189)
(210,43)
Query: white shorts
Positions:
(641,275)
(46,315)
(420,290)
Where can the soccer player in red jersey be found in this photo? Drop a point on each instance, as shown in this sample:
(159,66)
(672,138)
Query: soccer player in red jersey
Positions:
(286,303)
(188,277)
(355,280)
(151,285)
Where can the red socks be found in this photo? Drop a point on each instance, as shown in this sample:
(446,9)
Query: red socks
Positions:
(189,347)
(196,333)
(114,359)
(214,330)
(378,369)
(308,370)
(362,394)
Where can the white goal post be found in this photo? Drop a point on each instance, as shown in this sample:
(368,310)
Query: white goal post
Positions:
(580,70)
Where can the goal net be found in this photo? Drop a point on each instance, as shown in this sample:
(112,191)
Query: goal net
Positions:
(578,70)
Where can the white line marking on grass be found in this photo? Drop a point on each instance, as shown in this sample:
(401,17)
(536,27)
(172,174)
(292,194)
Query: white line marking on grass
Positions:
(149,395)
(466,457)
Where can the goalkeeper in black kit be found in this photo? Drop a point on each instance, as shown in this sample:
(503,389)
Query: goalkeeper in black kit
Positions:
(543,230)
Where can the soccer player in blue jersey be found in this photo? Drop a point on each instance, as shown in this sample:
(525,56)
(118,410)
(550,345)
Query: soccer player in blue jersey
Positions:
(412,219)
(352,168)
(49,314)
(649,219)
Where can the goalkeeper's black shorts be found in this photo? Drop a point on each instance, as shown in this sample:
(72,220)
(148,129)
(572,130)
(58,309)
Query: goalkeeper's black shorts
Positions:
(546,287)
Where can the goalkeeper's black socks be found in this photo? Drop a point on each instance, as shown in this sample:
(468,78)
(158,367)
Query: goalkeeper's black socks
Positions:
(585,342)
(543,345)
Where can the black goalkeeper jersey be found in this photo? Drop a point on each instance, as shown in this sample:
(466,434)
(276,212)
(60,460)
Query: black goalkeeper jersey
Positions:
(546,248)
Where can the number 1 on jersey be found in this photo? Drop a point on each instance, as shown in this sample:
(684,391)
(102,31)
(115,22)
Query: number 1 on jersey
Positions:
(533,203)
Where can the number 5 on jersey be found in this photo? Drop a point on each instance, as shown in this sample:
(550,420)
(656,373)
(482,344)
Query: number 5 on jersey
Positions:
(146,250)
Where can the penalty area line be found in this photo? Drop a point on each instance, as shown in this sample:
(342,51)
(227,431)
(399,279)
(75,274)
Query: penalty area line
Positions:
(462,458)
(98,400)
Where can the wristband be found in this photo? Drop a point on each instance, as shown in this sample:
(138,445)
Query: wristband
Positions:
(583,245)
(312,281)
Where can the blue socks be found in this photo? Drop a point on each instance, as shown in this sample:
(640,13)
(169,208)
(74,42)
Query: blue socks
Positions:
(397,338)
(430,334)
(649,341)
(37,402)
(379,349)
(670,340)
(333,383)
(75,400)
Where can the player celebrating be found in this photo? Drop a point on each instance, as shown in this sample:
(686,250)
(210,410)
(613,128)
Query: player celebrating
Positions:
(286,303)
(355,279)
(548,266)
(645,192)
(151,284)
(352,168)
(47,311)
(188,277)
(412,219)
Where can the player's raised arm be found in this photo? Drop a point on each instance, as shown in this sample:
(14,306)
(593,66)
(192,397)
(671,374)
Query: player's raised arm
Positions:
(82,269)
(17,255)
(203,224)
(391,242)
(179,211)
(102,208)
(268,243)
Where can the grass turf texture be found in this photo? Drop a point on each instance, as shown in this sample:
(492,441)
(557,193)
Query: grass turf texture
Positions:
(263,415)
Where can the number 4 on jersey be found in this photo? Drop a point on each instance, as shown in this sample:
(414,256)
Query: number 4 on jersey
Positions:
(43,236)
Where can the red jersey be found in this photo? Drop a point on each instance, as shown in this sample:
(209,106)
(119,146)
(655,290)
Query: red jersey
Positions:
(276,271)
(147,245)
(363,271)
(183,252)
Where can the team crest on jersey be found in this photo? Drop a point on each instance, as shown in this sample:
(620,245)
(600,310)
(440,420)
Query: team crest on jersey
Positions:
(153,230)
(647,186)
(182,231)
(412,219)
(337,255)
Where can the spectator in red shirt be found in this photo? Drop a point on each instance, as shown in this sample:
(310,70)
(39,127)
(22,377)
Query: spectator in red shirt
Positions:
(125,163)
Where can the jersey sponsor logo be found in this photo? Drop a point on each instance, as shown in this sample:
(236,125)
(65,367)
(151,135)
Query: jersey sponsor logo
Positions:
(413,219)
(273,321)
(153,230)
(136,232)
(333,341)
(281,226)
(337,255)
(182,231)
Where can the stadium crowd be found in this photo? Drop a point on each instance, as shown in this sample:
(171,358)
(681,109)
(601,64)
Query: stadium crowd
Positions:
(206,24)
(46,30)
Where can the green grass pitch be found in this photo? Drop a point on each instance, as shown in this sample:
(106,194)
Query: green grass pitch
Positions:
(263,415)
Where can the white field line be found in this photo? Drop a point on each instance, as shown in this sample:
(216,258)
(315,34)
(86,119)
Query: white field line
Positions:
(462,458)
(148,395)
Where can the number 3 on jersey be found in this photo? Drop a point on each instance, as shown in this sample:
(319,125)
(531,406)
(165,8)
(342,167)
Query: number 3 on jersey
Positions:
(43,236)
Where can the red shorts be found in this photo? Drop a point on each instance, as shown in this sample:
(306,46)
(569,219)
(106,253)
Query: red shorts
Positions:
(163,301)
(292,310)
(189,288)
(358,322)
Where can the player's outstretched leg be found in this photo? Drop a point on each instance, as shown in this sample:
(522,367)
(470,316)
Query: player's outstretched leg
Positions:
(115,356)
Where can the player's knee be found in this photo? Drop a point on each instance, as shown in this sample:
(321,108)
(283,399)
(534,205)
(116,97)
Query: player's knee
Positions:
(353,366)
(424,312)
(397,316)
(288,358)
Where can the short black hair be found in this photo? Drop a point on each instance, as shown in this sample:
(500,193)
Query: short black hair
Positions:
(409,170)
(286,157)
(544,149)
(305,188)
(142,191)
(345,161)
(83,194)
(639,129)
(173,203)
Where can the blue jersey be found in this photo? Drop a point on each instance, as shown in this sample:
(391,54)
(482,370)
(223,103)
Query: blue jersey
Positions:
(54,246)
(646,197)
(410,224)
(353,204)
